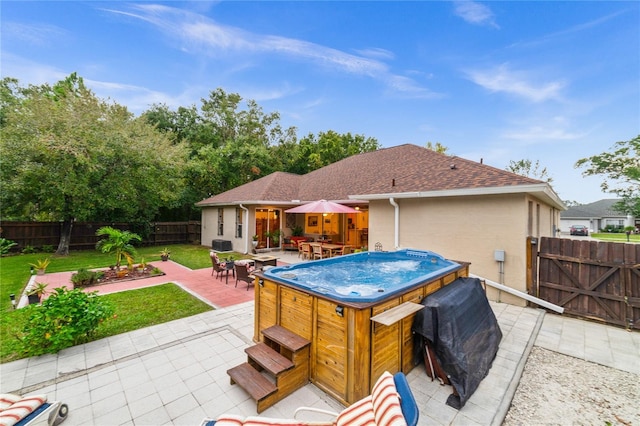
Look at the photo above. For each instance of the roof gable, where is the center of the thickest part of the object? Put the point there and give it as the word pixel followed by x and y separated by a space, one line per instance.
pixel 278 186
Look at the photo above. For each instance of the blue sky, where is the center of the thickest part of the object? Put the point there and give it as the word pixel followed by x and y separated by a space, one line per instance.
pixel 505 80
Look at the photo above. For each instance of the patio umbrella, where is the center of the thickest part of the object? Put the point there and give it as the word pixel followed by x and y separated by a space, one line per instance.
pixel 322 206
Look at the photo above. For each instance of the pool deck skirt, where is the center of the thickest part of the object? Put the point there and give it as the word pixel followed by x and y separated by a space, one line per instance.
pixel 175 373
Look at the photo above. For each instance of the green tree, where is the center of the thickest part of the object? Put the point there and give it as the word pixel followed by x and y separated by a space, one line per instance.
pixel 328 147
pixel 230 142
pixel 117 241
pixel 437 147
pixel 67 155
pixel 529 169
pixel 621 168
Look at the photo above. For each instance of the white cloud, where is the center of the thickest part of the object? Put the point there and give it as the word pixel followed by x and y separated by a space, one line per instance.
pixel 201 35
pixel 475 13
pixel 376 52
pixel 40 35
pixel 503 79
pixel 537 134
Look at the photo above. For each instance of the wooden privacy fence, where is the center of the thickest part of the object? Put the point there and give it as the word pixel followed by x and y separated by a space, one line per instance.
pixel 83 234
pixel 592 279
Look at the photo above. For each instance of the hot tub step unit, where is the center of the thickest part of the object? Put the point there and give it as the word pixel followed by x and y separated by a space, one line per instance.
pixel 285 338
pixel 284 356
pixel 250 379
pixel 268 359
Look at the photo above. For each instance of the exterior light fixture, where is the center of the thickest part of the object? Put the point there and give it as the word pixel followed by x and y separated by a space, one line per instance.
pixel 13 300
pixel 340 310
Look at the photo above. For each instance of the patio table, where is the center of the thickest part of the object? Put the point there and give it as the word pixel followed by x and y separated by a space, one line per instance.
pixel 329 247
pixel 262 261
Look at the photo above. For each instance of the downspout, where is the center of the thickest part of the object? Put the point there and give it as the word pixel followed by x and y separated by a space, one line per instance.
pixel 396 224
pixel 246 238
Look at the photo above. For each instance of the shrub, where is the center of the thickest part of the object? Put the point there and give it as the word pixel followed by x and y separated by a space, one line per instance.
pixel 66 318
pixel 84 277
pixel 5 245
pixel 28 250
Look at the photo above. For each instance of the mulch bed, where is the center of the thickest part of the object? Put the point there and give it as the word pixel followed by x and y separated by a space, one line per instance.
pixel 111 276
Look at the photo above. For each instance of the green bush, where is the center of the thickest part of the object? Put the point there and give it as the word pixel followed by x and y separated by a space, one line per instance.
pixel 29 250
pixel 5 245
pixel 66 318
pixel 84 277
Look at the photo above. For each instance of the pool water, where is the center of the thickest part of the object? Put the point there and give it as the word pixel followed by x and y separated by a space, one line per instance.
pixel 364 277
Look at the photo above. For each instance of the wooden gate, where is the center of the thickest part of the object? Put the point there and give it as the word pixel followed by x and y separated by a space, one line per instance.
pixel 592 279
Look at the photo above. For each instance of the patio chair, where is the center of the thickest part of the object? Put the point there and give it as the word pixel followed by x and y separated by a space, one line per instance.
pixel 307 254
pixel 218 268
pixel 301 249
pixel 33 410
pixel 242 274
pixel 391 403
pixel 319 252
pixel 343 250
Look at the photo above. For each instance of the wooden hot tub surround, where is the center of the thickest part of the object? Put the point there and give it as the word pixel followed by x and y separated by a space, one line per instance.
pixel 351 344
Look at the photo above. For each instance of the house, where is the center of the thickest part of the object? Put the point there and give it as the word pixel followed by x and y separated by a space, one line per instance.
pixel 596 216
pixel 410 197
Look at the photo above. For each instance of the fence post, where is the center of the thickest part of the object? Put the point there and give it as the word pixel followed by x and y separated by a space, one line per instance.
pixel 532 266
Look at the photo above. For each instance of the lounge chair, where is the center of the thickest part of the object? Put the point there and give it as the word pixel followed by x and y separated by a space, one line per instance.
pixel 391 403
pixel 243 274
pixel 32 410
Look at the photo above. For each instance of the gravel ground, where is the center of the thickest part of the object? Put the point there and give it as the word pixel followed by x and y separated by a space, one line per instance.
pixel 561 390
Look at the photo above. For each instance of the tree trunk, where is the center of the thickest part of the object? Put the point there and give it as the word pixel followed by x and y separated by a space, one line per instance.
pixel 65 237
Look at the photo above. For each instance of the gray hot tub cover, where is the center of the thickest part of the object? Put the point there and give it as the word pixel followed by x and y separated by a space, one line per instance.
pixel 464 334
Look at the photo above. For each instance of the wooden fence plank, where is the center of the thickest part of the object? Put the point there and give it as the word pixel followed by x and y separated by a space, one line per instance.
pixel 83 234
pixel 597 280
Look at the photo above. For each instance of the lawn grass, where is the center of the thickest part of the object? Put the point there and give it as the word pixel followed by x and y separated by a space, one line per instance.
pixel 616 237
pixel 137 312
pixel 148 306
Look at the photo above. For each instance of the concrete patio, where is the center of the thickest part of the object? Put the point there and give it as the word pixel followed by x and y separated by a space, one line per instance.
pixel 175 373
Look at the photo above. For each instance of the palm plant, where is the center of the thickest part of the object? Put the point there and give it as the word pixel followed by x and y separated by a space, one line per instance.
pixel 117 241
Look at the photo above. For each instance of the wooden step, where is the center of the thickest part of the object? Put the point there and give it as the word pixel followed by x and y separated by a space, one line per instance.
pixel 285 338
pixel 268 359
pixel 249 379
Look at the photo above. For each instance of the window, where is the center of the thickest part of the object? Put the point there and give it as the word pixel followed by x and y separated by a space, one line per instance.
pixel 239 214
pixel 220 221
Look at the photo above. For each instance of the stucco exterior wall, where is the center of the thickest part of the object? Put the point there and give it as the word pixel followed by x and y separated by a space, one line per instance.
pixel 468 229
pixel 209 227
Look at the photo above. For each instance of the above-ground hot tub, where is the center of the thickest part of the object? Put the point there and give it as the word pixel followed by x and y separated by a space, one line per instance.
pixel 354 311
pixel 364 277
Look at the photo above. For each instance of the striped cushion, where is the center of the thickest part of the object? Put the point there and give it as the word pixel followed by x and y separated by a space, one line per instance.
pixel 20 409
pixel 360 413
pixel 386 403
pixel 230 420
pixel 7 400
pixel 233 420
pixel 264 421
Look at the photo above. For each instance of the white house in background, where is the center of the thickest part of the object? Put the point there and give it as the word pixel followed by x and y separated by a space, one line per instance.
pixel 596 216
pixel 411 197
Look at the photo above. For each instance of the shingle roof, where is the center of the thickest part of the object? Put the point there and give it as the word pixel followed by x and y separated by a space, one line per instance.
pixel 278 186
pixel 403 168
pixel 598 209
